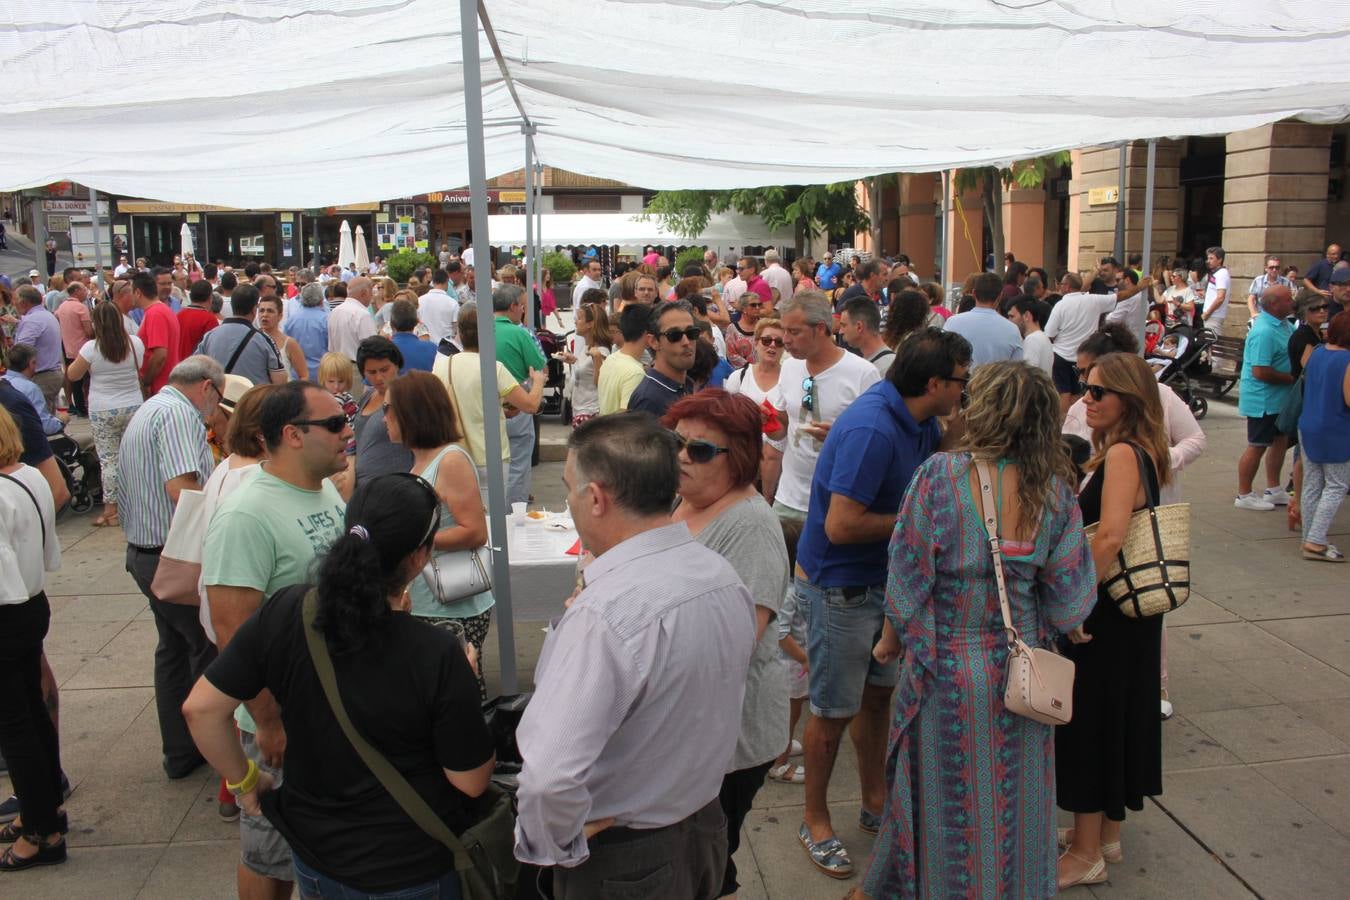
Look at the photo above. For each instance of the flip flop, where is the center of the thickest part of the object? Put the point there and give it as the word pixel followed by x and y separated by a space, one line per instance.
pixel 780 773
pixel 1328 554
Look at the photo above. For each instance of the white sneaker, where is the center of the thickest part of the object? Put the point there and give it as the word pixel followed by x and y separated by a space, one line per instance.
pixel 1251 501
pixel 1278 496
pixel 1167 709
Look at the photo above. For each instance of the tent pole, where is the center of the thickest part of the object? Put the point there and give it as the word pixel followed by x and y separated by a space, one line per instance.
pixel 1148 208
pixel 538 220
pixel 98 242
pixel 1119 247
pixel 943 275
pixel 487 344
pixel 528 130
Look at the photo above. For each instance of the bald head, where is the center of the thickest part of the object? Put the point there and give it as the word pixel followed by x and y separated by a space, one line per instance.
pixel 359 288
pixel 1278 300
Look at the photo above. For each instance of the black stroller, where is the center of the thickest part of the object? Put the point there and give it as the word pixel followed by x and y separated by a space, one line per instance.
pixel 80 468
pixel 1181 354
pixel 556 380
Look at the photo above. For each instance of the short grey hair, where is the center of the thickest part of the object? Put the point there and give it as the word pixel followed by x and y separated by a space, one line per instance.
pixel 771 255
pixel 28 294
pixel 311 294
pixel 196 369
pixel 505 295
pixel 812 304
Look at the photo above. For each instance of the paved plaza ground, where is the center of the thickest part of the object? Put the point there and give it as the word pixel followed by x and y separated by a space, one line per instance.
pixel 1257 759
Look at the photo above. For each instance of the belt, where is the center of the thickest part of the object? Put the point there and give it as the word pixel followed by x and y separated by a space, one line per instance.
pixel 621 834
pixel 153 551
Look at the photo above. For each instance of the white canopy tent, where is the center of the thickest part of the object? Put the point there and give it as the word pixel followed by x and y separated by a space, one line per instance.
pixel 723 230
pixel 372 100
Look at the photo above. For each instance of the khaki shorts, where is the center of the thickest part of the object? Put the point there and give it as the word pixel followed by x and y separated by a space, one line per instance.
pixel 261 847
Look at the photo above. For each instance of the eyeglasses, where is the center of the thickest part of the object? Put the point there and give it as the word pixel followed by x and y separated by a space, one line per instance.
pixel 674 334
pixel 333 424
pixel 755 305
pixel 697 450
pixel 957 378
pixel 778 342
pixel 1273 268
pixel 1096 391
pixel 809 393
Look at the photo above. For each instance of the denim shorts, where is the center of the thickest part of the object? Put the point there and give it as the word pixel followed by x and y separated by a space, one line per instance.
pixel 261 847
pixel 314 885
pixel 842 627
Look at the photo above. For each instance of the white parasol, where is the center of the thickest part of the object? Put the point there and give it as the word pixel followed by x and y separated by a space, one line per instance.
pixel 346 255
pixel 186 234
pixel 362 252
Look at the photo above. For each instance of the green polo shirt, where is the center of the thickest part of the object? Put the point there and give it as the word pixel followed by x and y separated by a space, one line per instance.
pixel 516 349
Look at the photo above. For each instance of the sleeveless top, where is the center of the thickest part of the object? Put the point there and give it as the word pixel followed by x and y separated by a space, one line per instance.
pixel 1325 422
pixel 424 603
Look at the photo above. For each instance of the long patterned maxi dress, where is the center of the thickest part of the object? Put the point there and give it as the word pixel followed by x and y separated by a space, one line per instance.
pixel 970 809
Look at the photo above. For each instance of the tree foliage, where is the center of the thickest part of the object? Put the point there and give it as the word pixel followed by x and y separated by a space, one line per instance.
pixel 559 265
pixel 402 264
pixel 991 180
pixel 808 209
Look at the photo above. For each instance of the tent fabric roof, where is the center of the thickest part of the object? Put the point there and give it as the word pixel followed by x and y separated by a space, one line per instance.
pixel 301 103
pixel 728 229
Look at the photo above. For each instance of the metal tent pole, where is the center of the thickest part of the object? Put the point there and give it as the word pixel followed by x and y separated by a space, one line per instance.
pixel 538 219
pixel 98 242
pixel 944 277
pixel 528 130
pixel 1119 248
pixel 487 344
pixel 1148 209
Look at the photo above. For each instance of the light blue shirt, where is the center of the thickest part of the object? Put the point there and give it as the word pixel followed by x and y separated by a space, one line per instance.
pixel 308 327
pixel 1268 346
pixel 992 337
pixel 33 394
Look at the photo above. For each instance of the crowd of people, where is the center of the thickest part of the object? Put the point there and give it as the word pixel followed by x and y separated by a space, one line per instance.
pixel 797 455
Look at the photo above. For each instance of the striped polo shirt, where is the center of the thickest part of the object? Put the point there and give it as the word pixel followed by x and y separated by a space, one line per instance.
pixel 165 439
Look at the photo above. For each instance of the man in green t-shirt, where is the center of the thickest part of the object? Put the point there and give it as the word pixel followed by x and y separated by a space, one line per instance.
pixel 517 350
pixel 264 537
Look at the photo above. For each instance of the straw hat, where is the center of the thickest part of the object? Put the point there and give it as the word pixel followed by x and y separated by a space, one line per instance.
pixel 235 388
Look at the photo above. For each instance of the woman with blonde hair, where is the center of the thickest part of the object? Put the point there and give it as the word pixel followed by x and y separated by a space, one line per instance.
pixel 593 325
pixel 945 625
pixel 1109 757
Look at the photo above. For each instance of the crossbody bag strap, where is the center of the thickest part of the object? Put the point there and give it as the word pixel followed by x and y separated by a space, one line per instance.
pixel 988 512
pixel 239 351
pixel 42 523
pixel 398 787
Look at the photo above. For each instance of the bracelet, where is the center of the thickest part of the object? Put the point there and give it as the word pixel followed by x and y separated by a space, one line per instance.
pixel 247 783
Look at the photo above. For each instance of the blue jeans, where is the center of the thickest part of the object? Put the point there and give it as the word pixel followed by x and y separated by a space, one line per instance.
pixel 842 627
pixel 315 886
pixel 520 435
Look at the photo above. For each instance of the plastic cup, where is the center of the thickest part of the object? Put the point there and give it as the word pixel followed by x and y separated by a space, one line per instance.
pixel 518 513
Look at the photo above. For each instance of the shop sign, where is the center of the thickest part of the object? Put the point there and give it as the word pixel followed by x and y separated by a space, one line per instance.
pixel 1103 195
pixel 58 223
pixel 463 197
pixel 153 207
pixel 74 207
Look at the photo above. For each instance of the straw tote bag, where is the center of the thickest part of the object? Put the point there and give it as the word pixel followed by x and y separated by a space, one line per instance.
pixel 1151 573
pixel 1039 684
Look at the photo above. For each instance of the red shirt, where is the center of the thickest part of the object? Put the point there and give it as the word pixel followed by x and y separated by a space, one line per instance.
pixel 193 322
pixel 159 328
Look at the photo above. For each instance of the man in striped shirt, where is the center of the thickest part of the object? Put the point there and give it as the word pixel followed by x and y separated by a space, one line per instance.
pixel 163 453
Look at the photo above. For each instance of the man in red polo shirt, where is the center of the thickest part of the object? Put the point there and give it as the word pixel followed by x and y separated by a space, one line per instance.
pixel 748 270
pixel 159 332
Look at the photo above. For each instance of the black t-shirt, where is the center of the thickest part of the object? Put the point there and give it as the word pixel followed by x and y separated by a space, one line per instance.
pixel 855 290
pixel 36 448
pixel 412 695
pixel 1304 336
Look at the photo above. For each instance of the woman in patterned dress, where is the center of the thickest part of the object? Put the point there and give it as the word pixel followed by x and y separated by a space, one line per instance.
pixel 970 809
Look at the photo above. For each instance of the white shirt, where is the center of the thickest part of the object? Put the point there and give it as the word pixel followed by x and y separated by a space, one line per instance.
pixel 835 388
pixel 121 270
pixel 440 313
pixel 732 290
pixel 26 547
pixel 742 381
pixel 1133 314
pixel 1037 350
pixel 348 325
pixel 131 325
pixel 467 256
pixel 780 279
pixel 581 287
pixel 114 385
pixel 1074 319
pixel 1218 281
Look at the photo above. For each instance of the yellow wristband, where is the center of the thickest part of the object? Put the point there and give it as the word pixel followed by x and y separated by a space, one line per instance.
pixel 247 783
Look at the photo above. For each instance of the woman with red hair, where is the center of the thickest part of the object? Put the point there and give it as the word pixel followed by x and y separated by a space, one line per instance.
pixel 720 437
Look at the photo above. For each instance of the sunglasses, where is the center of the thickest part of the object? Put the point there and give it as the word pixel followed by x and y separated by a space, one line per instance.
pixel 674 334
pixel 754 305
pixel 333 424
pixel 778 342
pixel 1096 391
pixel 809 393
pixel 1317 308
pixel 697 450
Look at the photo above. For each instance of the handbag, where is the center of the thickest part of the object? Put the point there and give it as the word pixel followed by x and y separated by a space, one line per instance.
pixel 1039 683
pixel 180 563
pixel 485 852
pixel 453 575
pixel 1151 573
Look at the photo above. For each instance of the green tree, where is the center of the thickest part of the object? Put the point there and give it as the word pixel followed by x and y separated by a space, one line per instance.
pixel 991 180
pixel 402 264
pixel 808 209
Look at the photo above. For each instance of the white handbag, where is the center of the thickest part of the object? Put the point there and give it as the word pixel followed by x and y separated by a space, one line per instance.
pixel 180 562
pixel 1039 682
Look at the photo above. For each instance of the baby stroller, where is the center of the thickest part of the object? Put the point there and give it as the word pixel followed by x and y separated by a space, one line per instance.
pixel 556 379
pixel 1182 353
pixel 80 468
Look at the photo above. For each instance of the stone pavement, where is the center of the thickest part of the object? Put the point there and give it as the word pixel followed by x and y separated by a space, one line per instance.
pixel 1257 758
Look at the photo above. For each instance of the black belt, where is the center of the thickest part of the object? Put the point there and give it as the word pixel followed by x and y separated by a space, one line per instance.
pixel 153 551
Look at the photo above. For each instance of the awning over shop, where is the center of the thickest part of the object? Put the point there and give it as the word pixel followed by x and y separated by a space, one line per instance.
pixel 728 230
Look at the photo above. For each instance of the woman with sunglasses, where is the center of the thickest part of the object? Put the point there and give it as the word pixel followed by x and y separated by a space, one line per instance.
pixel 759 381
pixel 720 437
pixel 407 687
pixel 740 335
pixel 1109 757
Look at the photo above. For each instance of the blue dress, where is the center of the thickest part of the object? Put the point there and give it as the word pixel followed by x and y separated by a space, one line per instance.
pixel 971 786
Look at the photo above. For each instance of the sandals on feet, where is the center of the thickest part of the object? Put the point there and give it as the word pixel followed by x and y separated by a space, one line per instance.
pixel 789 773
pixel 1329 553
pixel 869 822
pixel 1095 874
pixel 1110 852
pixel 828 855
pixel 48 854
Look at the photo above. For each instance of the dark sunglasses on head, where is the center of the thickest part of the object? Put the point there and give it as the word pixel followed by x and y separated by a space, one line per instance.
pixel 1095 390
pixel 771 341
pixel 699 451
pixel 674 334
pixel 333 424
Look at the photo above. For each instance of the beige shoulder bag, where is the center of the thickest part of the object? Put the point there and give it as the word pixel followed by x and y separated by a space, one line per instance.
pixel 1039 682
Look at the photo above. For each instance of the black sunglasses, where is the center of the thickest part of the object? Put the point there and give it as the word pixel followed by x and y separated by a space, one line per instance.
pixel 699 451
pixel 1317 308
pixel 674 334
pixel 778 342
pixel 333 424
pixel 1096 390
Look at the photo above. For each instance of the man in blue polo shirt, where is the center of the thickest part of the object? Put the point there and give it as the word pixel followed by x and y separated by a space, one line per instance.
pixel 868 459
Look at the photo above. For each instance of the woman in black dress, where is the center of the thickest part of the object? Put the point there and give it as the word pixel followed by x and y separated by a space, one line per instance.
pixel 1110 756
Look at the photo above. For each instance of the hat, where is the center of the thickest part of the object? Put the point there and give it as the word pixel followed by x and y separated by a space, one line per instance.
pixel 236 386
pixel 1340 276
pixel 34 273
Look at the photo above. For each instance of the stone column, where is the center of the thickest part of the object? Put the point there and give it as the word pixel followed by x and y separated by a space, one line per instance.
pixel 919 205
pixel 964 236
pixel 1274 202
pixel 1092 225
pixel 1024 224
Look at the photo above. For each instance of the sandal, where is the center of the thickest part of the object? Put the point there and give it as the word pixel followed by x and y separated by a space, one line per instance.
pixel 48 854
pixel 781 773
pixel 1110 852
pixel 14 830
pixel 1329 553
pixel 106 521
pixel 1095 874
pixel 829 855
pixel 869 823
